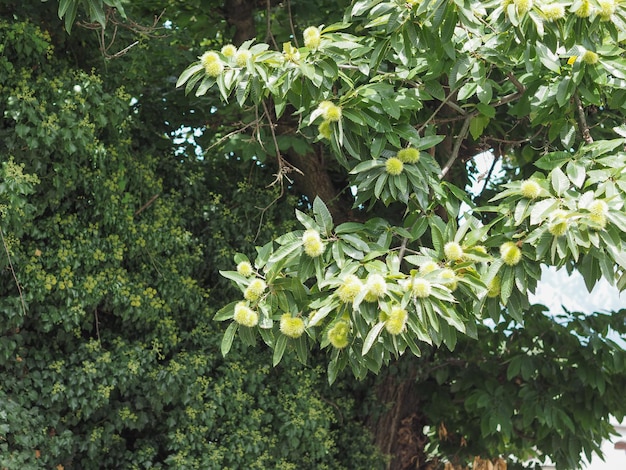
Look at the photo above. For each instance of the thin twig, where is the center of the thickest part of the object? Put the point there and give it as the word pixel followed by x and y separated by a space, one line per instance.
pixel 230 134
pixel 95 313
pixel 264 210
pixel 111 19
pixel 457 146
pixel 284 166
pixel 488 176
pixel 293 31
pixel 268 34
pixel 17 283
pixel 146 205
pixel 582 120
pixel 432 116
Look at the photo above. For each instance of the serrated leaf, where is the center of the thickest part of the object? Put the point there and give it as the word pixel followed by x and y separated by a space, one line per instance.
pixel 323 216
pixel 576 173
pixel 305 220
pixel 321 313
pixel 234 276
pixel 371 337
pixel 279 349
pixel 365 166
pixel 560 182
pixel 285 251
pixel 226 312
pixel 541 210
pixel 227 340
pixel 521 211
pixel 507 280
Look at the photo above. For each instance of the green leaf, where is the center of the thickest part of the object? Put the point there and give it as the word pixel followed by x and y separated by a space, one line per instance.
pixel 507 280
pixel 542 209
pixel 188 72
pixel 366 166
pixel 576 173
pixel 478 125
pixel 226 312
pixel 553 160
pixel 323 216
pixel 227 340
pixel 548 58
pixel 279 349
pixel 96 12
pixel 371 337
pixel 285 250
pixel 560 182
pixel 305 220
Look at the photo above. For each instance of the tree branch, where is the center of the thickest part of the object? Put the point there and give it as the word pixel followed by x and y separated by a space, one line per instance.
pixel 457 146
pixel 582 120
pixel 17 283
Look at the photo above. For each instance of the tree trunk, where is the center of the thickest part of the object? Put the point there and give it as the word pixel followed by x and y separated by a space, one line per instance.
pixel 315 181
pixel 398 432
pixel 240 15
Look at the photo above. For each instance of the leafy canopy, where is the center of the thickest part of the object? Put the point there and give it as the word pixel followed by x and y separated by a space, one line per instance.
pixel 386 89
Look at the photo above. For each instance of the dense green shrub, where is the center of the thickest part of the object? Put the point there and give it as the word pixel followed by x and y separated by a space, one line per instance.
pixel 109 357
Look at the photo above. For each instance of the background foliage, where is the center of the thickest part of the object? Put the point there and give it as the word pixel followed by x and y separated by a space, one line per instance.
pixel 109 355
pixel 122 197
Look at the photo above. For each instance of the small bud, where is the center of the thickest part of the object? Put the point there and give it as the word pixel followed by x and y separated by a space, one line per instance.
pixel 599 220
pixel 245 316
pixel 453 251
pixel 394 166
pixel 428 267
pixel 376 287
pixel 396 320
pixel 350 288
pixel 245 269
pixel 291 326
pixel 523 6
pixel 590 57
pixel 338 335
pixel 448 277
pixel 421 288
pixel 242 57
pixel 493 288
pixel 607 8
pixel 558 224
pixel 599 207
pixel 585 10
pixel 254 290
pixel 530 189
pixel 313 245
pixel 214 69
pixel 553 11
pixel 330 112
pixel 229 50
pixel 325 130
pixel 410 155
pixel 510 253
pixel 312 37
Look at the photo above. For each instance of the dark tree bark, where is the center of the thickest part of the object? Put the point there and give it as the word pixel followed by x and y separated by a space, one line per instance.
pixel 398 432
pixel 240 15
